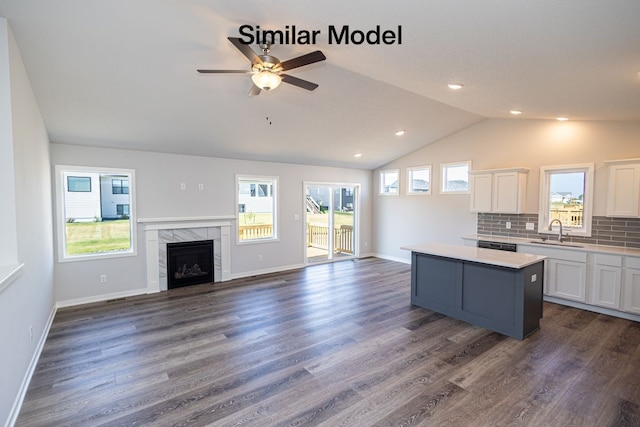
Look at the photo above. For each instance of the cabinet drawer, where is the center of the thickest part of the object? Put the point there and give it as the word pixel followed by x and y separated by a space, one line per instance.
pixel 633 262
pixel 606 259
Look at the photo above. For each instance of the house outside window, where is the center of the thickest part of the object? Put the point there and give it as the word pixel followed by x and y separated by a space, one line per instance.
pixel 122 210
pixel 455 178
pixel 100 222
pixel 389 182
pixel 419 180
pixel 566 194
pixel 257 208
pixel 79 184
pixel 119 186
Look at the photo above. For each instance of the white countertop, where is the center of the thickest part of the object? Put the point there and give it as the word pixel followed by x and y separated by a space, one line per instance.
pixel 583 247
pixel 484 256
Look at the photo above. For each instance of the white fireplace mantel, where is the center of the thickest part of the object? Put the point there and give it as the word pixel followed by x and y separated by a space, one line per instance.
pixel 152 226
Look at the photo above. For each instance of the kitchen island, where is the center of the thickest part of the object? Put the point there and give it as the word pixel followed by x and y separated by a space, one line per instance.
pixel 497 290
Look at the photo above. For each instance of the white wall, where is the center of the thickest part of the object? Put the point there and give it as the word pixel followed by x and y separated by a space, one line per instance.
pixel 28 301
pixel 158 194
pixel 493 144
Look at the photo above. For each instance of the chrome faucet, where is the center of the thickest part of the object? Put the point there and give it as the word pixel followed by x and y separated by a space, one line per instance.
pixel 551 227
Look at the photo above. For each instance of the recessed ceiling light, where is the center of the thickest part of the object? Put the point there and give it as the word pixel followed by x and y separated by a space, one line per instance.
pixel 400 132
pixel 357 155
pixel 562 119
pixel 516 112
pixel 455 86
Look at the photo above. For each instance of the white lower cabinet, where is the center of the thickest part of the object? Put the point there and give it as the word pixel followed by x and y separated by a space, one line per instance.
pixel 565 271
pixel 606 280
pixel 631 301
pixel 567 279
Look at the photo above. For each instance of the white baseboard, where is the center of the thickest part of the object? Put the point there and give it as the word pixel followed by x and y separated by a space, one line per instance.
pixel 391 258
pixel 595 309
pixel 101 298
pixel 22 392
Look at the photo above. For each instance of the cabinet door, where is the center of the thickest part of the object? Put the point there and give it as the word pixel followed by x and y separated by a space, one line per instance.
pixel 623 196
pixel 567 279
pixel 607 284
pixel 505 192
pixel 632 291
pixel 481 192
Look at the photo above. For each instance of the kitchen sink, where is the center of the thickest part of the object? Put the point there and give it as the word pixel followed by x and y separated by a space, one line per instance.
pixel 546 242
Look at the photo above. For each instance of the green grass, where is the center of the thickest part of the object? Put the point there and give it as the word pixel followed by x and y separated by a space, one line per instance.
pixel 339 218
pixel 97 237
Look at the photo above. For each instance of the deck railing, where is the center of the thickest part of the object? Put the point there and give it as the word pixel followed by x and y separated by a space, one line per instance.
pixel 569 217
pixel 251 232
pixel 317 235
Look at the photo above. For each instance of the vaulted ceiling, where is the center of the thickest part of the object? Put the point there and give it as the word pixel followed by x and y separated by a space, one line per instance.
pixel 122 73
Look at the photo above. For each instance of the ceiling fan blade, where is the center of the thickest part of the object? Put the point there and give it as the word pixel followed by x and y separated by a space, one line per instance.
pixel 300 61
pixel 224 72
pixel 255 90
pixel 304 84
pixel 246 50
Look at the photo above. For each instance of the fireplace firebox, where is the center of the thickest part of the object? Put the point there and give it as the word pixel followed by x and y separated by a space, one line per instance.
pixel 189 263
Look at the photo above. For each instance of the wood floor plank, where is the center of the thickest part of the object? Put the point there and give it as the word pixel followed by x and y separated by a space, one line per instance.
pixel 331 344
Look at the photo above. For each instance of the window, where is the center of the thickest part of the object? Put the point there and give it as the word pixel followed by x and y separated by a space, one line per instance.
pixel 122 210
pixel 79 184
pixel 566 194
pixel 257 208
pixel 389 182
pixel 455 178
pixel 119 186
pixel 94 213
pixel 419 180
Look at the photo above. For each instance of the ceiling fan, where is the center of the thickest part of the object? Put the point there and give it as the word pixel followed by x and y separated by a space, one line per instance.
pixel 267 71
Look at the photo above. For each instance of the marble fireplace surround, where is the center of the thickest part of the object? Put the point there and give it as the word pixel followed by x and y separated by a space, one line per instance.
pixel 160 231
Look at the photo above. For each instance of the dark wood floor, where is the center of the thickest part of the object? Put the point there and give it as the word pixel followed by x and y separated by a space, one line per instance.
pixel 332 344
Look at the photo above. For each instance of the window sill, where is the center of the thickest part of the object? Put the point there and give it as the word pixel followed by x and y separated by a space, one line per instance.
pixel 8 274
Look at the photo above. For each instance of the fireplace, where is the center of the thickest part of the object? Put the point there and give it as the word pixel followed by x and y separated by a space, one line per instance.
pixel 189 263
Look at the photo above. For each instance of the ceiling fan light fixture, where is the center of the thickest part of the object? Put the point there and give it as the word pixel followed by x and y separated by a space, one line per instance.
pixel 266 80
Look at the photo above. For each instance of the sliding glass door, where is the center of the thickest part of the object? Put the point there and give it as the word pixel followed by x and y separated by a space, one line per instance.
pixel 330 221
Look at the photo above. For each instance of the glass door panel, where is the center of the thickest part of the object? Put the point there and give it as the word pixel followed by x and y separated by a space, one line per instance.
pixel 330 225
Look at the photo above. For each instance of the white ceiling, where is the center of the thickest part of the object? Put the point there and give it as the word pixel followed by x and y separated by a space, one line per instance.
pixel 121 73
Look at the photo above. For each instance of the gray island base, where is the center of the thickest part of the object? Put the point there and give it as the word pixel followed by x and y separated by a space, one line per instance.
pixel 497 290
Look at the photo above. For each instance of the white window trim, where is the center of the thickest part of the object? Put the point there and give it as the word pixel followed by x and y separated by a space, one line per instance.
pixel 587 213
pixel 443 166
pixel 276 202
pixel 380 182
pixel 60 212
pixel 410 171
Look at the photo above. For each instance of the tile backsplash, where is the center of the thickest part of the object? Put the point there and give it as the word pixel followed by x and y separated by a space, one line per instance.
pixel 623 232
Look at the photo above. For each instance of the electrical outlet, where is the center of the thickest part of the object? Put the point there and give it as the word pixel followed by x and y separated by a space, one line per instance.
pixel 30 333
pixel 200 187
pixel 529 225
pixel 183 186
pixel 534 278
pixel 103 278
pixel 508 225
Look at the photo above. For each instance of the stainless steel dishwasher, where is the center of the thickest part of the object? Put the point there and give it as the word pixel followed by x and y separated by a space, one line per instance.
pixel 499 246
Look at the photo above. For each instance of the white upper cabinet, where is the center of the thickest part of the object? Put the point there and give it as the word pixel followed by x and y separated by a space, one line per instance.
pixel 498 190
pixel 623 192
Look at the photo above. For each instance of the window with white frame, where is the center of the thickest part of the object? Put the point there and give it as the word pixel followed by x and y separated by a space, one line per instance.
pixel 455 178
pixel 419 180
pixel 566 196
pixel 389 180
pixel 257 208
pixel 93 221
